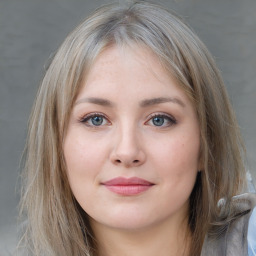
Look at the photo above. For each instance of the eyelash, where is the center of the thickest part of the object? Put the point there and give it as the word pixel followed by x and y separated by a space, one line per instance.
pixel 87 118
pixel 170 120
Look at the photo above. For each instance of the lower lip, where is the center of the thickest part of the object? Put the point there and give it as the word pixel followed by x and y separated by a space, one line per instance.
pixel 128 190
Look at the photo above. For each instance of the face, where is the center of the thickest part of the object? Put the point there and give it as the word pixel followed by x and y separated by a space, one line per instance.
pixel 132 144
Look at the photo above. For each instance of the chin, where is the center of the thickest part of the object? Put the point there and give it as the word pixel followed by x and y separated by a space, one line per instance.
pixel 129 225
pixel 128 221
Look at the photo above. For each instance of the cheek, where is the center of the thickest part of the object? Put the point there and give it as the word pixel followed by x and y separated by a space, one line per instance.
pixel 177 163
pixel 83 165
pixel 82 160
pixel 179 167
pixel 181 153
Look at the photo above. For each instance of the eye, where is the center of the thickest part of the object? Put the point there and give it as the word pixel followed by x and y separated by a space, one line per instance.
pixel 161 120
pixel 95 120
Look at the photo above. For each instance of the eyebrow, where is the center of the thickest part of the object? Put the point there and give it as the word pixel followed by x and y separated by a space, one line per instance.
pixel 143 103
pixel 155 101
pixel 97 101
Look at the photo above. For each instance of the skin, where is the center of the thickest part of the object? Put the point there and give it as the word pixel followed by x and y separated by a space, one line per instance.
pixel 128 143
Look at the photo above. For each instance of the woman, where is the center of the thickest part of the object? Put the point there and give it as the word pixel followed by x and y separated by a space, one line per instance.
pixel 133 147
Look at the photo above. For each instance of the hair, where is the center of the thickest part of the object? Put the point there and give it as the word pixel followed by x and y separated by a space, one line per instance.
pixel 56 224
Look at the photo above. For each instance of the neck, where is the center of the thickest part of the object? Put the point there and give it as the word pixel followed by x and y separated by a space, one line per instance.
pixel 162 239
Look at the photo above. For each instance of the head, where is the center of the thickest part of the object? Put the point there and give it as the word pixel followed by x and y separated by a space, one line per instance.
pixel 182 56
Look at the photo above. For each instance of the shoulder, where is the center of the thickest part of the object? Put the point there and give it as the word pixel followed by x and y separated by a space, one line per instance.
pixel 251 236
pixel 233 241
pixel 248 202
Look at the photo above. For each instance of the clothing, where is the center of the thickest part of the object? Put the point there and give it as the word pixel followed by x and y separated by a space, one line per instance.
pixel 238 239
pixel 251 237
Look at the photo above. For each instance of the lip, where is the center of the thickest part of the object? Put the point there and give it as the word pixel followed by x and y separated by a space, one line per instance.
pixel 128 186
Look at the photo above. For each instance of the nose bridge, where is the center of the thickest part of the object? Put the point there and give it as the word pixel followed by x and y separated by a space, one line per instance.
pixel 128 148
pixel 126 139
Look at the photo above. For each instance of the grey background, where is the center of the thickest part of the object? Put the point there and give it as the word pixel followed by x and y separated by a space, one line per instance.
pixel 31 30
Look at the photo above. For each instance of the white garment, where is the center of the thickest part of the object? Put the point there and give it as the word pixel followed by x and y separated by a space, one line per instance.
pixel 251 236
pixel 238 239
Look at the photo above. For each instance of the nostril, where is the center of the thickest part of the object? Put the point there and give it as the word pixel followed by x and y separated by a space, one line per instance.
pixel 126 162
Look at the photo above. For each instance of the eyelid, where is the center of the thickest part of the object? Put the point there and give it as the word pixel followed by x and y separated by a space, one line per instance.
pixel 86 117
pixel 171 118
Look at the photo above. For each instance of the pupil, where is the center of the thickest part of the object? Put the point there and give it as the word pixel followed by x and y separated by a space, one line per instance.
pixel 158 121
pixel 97 120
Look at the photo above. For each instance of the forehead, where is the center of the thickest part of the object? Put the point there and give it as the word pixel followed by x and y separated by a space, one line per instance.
pixel 125 54
pixel 134 72
pixel 126 62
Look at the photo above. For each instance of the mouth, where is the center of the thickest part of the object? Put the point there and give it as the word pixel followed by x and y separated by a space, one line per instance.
pixel 128 186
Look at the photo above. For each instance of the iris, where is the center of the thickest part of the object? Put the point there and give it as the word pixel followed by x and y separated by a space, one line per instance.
pixel 158 121
pixel 97 120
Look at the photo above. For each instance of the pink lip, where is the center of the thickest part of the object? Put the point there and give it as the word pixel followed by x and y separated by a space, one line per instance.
pixel 128 186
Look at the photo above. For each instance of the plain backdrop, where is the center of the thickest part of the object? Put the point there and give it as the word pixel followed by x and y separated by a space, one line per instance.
pixel 32 30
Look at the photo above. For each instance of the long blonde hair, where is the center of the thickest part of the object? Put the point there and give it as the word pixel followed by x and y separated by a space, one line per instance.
pixel 56 224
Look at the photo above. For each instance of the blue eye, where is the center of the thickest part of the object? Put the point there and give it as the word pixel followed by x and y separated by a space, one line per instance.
pixel 161 120
pixel 95 120
pixel 158 121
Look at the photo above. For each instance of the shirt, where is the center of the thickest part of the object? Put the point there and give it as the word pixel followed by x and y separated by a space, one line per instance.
pixel 251 236
pixel 239 238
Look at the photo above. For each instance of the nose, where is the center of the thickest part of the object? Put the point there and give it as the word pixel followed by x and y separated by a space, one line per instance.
pixel 127 150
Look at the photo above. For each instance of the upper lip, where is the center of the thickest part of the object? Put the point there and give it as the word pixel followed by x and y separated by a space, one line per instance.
pixel 122 181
